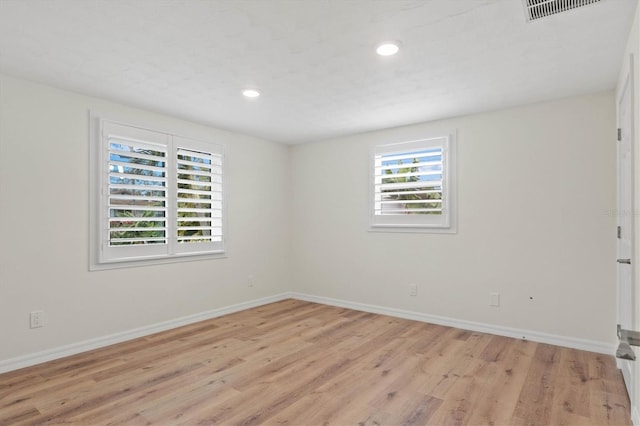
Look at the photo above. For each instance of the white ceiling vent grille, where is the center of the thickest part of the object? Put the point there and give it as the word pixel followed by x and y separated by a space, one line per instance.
pixel 536 9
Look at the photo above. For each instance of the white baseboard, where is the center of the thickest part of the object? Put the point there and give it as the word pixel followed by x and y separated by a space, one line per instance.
pixel 552 339
pixel 99 342
pixel 87 345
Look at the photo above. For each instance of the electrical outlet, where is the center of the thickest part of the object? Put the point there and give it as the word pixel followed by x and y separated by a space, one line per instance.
pixel 36 319
pixel 250 280
pixel 495 299
pixel 413 289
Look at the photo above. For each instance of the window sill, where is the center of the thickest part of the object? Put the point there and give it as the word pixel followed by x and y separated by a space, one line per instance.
pixel 95 266
pixel 413 229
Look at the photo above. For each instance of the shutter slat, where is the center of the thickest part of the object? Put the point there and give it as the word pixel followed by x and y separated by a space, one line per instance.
pixel 424 184
pixel 195 182
pixel 162 219
pixel 206 164
pixel 406 211
pixel 428 191
pixel 410 201
pixel 140 166
pixel 135 197
pixel 138 177
pixel 143 229
pixel 191 210
pixel 185 152
pixel 196 228
pixel 409 165
pixel 195 239
pixel 413 154
pixel 182 191
pixel 122 186
pixel 411 174
pixel 140 240
pixel 193 172
pixel 132 153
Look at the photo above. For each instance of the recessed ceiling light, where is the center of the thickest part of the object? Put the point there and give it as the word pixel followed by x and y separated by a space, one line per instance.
pixel 251 93
pixel 388 49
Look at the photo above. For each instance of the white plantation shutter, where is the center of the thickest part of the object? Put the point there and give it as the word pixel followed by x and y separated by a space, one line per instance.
pixel 161 195
pixel 412 184
pixel 137 193
pixel 133 209
pixel 199 200
pixel 409 183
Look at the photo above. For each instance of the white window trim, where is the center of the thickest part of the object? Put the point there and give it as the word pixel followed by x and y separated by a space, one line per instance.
pixel 96 176
pixel 450 187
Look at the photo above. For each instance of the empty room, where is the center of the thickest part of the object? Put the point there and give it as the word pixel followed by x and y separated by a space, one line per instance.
pixel 319 212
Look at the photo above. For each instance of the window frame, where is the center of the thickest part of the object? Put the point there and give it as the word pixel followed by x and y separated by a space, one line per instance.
pixel 418 223
pixel 98 195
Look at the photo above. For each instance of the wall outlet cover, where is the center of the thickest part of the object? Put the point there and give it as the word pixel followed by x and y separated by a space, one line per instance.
pixel 413 289
pixel 495 299
pixel 36 319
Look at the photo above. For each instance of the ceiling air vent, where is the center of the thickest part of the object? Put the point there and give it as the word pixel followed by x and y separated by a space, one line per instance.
pixel 536 9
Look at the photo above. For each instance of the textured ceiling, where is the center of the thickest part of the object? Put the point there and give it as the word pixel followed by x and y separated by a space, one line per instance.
pixel 313 60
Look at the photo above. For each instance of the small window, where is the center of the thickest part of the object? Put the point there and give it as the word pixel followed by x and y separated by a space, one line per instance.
pixel 156 196
pixel 413 186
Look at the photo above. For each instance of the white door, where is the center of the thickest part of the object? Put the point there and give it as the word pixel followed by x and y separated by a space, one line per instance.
pixel 625 216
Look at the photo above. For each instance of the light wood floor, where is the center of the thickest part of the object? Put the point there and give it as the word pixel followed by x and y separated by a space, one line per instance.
pixel 299 363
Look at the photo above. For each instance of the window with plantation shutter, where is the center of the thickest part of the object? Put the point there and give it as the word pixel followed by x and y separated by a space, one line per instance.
pixel 413 186
pixel 156 196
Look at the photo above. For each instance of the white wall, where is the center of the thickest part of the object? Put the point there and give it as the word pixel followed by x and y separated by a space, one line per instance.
pixel 535 187
pixel 44 239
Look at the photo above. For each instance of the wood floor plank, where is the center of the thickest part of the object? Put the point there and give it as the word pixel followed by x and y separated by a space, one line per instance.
pixel 536 397
pixel 465 394
pixel 354 385
pixel 571 406
pixel 302 363
pixel 502 392
pixel 446 362
pixel 195 390
pixel 382 383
